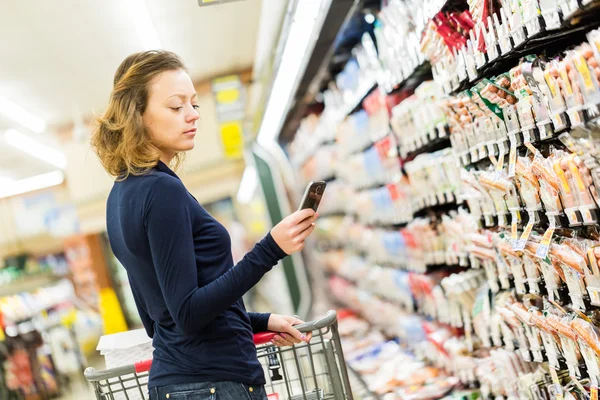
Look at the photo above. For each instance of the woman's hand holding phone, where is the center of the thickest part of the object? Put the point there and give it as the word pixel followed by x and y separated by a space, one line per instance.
pixel 291 233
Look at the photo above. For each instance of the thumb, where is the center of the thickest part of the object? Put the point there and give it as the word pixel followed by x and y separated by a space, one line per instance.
pixel 295 333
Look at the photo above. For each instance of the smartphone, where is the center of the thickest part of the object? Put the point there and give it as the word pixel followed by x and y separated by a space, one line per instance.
pixel 313 195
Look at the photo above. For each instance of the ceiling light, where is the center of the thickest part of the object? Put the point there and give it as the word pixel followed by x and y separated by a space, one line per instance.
pixel 5 180
pixel 31 184
pixel 35 149
pixel 370 18
pixel 138 10
pixel 21 116
pixel 293 59
pixel 248 185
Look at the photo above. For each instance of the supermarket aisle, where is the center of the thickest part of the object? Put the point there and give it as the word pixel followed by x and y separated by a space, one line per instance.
pixel 80 389
pixel 79 392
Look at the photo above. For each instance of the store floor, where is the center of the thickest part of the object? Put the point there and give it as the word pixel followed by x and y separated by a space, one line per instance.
pixel 80 389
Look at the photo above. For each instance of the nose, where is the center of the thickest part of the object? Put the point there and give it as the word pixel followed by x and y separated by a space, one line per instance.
pixel 192 115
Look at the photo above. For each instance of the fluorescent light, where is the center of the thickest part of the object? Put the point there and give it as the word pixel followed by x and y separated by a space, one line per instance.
pixel 30 184
pixel 369 18
pixel 21 116
pixel 248 185
pixel 5 180
pixel 292 60
pixel 138 10
pixel 35 149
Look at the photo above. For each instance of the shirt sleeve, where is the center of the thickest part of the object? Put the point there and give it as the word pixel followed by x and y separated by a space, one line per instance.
pixel 259 321
pixel 168 223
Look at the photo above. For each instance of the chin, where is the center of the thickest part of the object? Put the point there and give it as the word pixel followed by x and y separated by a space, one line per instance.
pixel 187 146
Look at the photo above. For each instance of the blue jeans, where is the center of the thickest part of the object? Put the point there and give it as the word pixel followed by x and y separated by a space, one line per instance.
pixel 209 391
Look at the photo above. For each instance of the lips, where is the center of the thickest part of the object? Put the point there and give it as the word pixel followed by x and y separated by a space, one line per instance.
pixel 190 132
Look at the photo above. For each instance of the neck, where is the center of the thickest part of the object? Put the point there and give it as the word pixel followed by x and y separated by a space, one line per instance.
pixel 166 158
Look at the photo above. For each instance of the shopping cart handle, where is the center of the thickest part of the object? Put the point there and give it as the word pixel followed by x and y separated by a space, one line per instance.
pixel 324 322
pixel 305 327
pixel 263 338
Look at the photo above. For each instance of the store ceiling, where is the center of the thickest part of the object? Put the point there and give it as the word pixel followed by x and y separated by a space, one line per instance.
pixel 59 57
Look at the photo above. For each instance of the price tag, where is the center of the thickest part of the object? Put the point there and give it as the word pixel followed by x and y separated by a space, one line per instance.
pixel 520 245
pixel 531 147
pixel 542 250
pixel 557 385
pixel 513 232
pixel 501 148
pixel 499 167
pixel 591 361
pixel 594 393
pixel 512 161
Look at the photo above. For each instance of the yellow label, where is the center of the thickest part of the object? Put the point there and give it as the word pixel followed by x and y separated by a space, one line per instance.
pixel 566 81
pixel 547 236
pixel 500 163
pixel 69 319
pixel 527 231
pixel 554 376
pixel 2 335
pixel 583 69
pixel 512 160
pixel 561 177
pixel 576 174
pixel 513 230
pixel 550 81
pixel 531 147
pixel 232 138
pixel 594 393
pixel 227 78
pixel 228 96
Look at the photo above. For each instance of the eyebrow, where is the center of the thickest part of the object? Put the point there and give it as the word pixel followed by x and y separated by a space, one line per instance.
pixel 183 96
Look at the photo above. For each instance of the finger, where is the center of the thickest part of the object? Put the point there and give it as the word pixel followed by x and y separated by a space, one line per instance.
pixel 295 334
pixel 288 340
pixel 304 225
pixel 278 341
pixel 283 342
pixel 301 215
pixel 306 233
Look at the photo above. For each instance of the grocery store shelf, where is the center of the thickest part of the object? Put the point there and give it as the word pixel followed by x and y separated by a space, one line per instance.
pixel 28 284
pixel 420 74
pixel 550 44
pixel 430 147
pixel 438 209
pixel 356 103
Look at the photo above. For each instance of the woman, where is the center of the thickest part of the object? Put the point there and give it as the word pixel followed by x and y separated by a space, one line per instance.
pixel 178 258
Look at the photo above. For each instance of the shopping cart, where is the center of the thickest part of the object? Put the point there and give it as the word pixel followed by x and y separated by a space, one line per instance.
pixel 306 371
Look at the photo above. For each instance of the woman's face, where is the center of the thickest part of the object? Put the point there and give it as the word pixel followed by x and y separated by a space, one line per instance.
pixel 171 113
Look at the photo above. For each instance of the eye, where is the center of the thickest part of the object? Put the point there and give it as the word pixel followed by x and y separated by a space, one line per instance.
pixel 196 107
pixel 176 108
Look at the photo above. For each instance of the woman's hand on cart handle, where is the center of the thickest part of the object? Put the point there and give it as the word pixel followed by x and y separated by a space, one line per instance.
pixel 295 323
pixel 291 233
pixel 287 334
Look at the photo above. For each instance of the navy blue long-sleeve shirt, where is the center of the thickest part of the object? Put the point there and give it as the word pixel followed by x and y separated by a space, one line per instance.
pixel 186 288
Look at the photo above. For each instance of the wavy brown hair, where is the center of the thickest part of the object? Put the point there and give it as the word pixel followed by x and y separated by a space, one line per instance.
pixel 119 138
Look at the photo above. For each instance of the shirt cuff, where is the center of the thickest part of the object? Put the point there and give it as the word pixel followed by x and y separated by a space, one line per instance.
pixel 274 247
pixel 259 322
